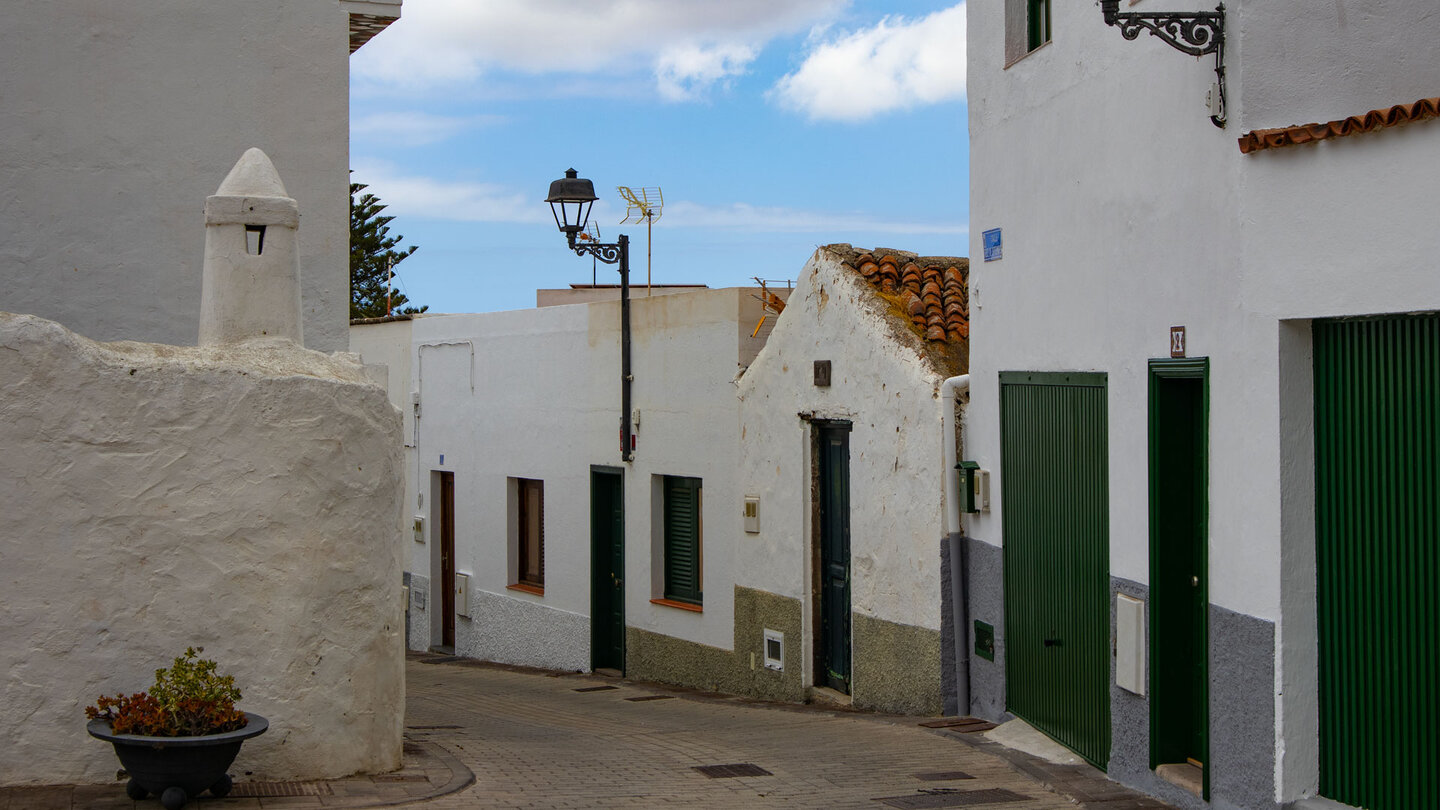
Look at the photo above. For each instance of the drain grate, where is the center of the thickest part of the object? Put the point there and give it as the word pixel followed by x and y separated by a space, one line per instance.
pixel 400 777
pixel 942 776
pixel 650 697
pixel 964 725
pixel 732 771
pixel 268 790
pixel 945 797
pixel 597 689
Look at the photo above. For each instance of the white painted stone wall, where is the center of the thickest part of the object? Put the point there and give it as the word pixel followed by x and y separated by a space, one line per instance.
pixel 239 499
pixel 1124 212
pixel 113 122
pixel 536 394
pixel 881 384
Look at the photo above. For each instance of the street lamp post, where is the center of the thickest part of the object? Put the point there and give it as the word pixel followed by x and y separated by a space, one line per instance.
pixel 570 200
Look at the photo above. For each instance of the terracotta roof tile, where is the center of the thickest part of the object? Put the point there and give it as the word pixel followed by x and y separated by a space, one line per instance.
pixel 1259 139
pixel 931 291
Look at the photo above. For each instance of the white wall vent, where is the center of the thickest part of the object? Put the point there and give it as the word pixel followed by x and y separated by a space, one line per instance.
pixel 775 650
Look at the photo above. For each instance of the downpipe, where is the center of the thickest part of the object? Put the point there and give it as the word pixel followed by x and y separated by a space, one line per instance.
pixel 950 391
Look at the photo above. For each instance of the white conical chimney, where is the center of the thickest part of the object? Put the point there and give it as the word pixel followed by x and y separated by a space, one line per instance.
pixel 251 284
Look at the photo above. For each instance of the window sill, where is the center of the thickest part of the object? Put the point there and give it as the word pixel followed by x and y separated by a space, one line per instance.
pixel 1022 57
pixel 538 590
pixel 693 608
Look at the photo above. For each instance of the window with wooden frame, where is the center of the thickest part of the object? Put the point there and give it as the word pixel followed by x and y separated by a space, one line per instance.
pixel 684 547
pixel 1037 20
pixel 1027 27
pixel 529 534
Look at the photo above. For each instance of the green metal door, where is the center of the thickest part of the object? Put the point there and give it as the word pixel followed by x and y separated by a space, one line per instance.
pixel 1377 537
pixel 1057 571
pixel 607 568
pixel 834 486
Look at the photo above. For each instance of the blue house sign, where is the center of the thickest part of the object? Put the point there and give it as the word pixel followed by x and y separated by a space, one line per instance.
pixel 992 244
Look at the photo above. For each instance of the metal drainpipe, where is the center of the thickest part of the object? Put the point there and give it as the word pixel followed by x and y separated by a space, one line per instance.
pixel 950 391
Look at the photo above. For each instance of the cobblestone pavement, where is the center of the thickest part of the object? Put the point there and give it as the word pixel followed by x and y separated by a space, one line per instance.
pixel 486 736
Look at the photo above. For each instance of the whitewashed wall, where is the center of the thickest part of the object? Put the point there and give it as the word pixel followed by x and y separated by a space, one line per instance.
pixel 536 394
pixel 1124 212
pixel 158 497
pixel 116 117
pixel 881 385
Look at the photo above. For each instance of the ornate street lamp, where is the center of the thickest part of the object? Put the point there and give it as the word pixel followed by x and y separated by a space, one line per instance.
pixel 570 200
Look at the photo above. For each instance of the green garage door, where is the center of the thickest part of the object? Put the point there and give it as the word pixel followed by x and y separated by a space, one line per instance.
pixel 1057 568
pixel 1377 528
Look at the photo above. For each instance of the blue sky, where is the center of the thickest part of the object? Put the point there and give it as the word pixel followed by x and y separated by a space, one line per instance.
pixel 772 126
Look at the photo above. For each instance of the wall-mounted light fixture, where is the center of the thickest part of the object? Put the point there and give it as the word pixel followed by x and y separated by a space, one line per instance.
pixel 1197 33
pixel 570 199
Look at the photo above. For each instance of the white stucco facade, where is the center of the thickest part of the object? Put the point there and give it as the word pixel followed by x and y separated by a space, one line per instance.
pixel 890 395
pixel 237 498
pixel 535 394
pixel 115 118
pixel 1124 212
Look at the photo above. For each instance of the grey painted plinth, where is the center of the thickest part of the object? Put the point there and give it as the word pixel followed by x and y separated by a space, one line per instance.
pixel 1242 715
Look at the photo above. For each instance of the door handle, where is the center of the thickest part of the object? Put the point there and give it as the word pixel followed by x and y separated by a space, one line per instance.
pixel 1052 642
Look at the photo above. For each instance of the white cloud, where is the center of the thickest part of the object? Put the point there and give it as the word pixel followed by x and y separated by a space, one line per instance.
pixel 412 196
pixel 898 64
pixel 429 198
pixel 777 219
pixel 447 42
pixel 685 72
pixel 416 128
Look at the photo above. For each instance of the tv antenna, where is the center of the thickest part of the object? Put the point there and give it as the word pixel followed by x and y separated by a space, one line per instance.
pixel 643 205
pixel 590 234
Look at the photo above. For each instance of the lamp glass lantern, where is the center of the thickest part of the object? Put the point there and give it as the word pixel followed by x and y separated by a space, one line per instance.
pixel 570 200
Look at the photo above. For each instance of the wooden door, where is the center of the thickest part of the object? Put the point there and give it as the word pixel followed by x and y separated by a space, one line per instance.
pixel 1179 592
pixel 607 569
pixel 834 527
pixel 447 560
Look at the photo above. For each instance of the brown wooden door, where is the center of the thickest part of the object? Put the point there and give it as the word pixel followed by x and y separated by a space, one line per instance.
pixel 447 559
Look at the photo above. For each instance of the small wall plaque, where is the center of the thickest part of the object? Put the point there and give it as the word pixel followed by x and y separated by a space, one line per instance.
pixel 991 241
pixel 1177 341
pixel 822 373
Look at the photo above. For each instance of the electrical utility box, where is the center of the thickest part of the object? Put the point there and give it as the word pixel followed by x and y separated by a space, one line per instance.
pixel 974 487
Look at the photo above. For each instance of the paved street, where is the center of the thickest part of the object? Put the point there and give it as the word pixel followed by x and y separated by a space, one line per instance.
pixel 544 741
pixel 548 740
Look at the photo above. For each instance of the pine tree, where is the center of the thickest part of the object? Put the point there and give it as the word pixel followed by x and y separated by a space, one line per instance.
pixel 373 256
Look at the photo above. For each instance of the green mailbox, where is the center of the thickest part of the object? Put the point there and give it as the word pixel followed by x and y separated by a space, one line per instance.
pixel 969 478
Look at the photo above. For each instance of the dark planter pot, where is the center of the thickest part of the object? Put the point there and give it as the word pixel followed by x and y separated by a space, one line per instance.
pixel 178 769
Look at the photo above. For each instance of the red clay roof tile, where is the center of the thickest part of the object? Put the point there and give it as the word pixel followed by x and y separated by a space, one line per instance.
pixel 1259 139
pixel 931 291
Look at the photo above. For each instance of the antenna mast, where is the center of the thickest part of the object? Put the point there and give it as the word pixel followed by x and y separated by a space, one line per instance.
pixel 643 204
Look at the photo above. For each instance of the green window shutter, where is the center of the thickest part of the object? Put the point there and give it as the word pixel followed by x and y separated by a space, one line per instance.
pixel 1038 23
pixel 682 539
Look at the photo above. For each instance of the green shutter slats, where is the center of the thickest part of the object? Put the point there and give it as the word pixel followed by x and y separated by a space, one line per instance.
pixel 682 539
pixel 1377 527
pixel 1056 551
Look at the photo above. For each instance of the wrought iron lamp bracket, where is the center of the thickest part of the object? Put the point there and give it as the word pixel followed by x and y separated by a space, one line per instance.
pixel 1196 33
pixel 608 252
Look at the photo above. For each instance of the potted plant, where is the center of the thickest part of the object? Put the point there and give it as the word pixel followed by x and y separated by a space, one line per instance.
pixel 178 739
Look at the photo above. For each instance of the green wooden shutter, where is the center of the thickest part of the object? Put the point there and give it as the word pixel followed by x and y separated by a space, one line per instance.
pixel 1054 481
pixel 682 539
pixel 1377 509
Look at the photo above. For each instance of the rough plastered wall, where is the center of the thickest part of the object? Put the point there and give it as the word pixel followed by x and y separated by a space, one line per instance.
pixel 116 116
pixel 891 396
pixel 243 500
